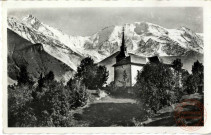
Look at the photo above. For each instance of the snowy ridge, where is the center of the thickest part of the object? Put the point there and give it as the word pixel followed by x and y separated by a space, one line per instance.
pixel 142 38
pixel 34 31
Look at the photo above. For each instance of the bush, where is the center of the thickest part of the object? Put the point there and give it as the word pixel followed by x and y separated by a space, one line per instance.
pixel 78 92
pixel 92 75
pixel 101 76
pixel 20 113
pixel 55 101
pixel 155 86
pixel 48 104
pixel 195 82
pixel 192 84
pixel 110 87
pixel 52 106
pixel 23 77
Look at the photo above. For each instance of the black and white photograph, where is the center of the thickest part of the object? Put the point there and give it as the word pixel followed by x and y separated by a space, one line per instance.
pixel 105 67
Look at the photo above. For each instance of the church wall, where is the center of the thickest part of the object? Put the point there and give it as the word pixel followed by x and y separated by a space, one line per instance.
pixel 134 72
pixel 137 59
pixel 119 75
pixel 109 62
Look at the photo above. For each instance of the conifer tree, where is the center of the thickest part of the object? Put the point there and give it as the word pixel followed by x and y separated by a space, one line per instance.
pixel 23 77
pixel 195 82
pixel 92 75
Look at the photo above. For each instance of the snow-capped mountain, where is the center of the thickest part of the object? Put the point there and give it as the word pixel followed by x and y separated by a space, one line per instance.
pixel 22 52
pixel 142 38
pixel 34 31
pixel 147 39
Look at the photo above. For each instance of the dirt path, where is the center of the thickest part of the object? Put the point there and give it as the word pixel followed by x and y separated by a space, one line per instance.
pixel 109 99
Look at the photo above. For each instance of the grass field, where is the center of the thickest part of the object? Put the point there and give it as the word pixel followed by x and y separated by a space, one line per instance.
pixel 112 111
pixel 111 114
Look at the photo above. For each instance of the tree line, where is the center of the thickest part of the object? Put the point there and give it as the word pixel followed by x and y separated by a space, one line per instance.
pixel 160 85
pixel 47 102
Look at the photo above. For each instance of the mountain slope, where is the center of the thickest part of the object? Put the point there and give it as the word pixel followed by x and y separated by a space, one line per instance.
pixel 35 58
pixel 141 38
pixel 36 32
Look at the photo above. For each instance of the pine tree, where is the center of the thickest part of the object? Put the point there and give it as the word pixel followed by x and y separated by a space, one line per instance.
pixel 197 68
pixel 92 75
pixel 177 66
pixel 195 82
pixel 70 84
pixel 102 76
pixel 86 72
pixel 41 81
pixel 23 78
pixel 49 76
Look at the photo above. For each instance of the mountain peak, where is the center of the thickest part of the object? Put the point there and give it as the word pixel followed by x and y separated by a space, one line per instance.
pixel 29 17
pixel 31 20
pixel 183 28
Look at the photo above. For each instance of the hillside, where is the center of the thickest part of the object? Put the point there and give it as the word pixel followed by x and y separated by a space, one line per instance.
pixel 35 58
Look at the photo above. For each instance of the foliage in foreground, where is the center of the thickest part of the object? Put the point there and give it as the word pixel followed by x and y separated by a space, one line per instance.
pixel 154 86
pixel 92 75
pixel 195 82
pixel 159 85
pixel 47 104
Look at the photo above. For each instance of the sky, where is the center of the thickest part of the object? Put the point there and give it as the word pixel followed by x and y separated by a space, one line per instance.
pixel 87 21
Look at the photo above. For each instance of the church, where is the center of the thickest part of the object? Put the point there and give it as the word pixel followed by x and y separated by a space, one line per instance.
pixel 126 67
pixel 123 67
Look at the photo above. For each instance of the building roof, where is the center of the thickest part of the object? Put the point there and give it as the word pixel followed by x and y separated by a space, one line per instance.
pixel 126 61
pixel 154 59
pixel 140 61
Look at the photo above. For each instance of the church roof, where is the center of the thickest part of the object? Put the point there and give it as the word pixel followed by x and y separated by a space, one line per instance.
pixel 126 61
pixel 154 59
pixel 137 59
pixel 140 60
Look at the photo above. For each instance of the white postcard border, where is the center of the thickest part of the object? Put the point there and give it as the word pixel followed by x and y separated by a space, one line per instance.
pixel 111 130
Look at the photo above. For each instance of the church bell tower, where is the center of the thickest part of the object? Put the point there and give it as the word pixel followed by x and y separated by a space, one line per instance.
pixel 123 49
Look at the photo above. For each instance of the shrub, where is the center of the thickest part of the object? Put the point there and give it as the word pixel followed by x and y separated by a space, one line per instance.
pixel 155 86
pixel 52 106
pixel 23 77
pixel 20 113
pixel 48 104
pixel 192 84
pixel 195 82
pixel 110 87
pixel 78 92
pixel 54 101
pixel 92 75
pixel 101 76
